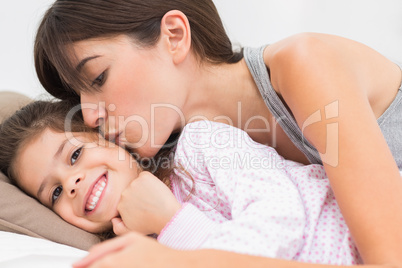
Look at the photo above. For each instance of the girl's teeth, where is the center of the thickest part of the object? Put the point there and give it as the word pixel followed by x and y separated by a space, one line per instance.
pixel 94 198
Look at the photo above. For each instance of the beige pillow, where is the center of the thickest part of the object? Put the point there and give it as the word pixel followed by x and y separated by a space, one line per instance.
pixel 24 215
pixel 10 102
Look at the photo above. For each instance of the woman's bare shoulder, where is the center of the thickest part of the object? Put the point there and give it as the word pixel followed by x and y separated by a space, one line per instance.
pixel 327 59
pixel 305 43
pixel 318 47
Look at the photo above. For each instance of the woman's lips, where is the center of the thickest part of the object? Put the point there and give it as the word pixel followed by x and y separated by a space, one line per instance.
pixel 113 137
pixel 96 194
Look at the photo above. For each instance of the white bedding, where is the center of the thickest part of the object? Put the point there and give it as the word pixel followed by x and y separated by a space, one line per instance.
pixel 20 251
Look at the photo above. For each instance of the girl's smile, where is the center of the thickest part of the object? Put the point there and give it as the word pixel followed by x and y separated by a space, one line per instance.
pixel 95 194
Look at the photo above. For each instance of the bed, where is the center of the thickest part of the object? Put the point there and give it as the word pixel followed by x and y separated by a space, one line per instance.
pixel 31 235
pixel 24 251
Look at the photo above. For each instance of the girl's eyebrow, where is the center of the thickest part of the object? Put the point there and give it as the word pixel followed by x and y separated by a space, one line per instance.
pixel 56 155
pixel 84 61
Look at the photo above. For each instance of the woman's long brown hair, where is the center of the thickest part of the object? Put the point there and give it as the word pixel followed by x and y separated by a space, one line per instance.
pixel 69 21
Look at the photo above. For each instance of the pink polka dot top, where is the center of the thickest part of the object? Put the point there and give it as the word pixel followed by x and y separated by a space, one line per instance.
pixel 238 195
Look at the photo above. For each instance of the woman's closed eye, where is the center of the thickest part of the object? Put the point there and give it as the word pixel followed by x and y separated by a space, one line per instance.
pixel 75 156
pixel 100 80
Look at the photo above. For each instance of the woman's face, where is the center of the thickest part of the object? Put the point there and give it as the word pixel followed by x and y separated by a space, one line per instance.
pixel 79 178
pixel 140 91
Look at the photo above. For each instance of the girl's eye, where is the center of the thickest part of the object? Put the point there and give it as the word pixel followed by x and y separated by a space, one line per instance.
pixel 56 194
pixel 76 154
pixel 99 80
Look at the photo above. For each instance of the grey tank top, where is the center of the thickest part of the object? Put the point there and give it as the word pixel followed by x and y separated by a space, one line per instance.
pixel 390 121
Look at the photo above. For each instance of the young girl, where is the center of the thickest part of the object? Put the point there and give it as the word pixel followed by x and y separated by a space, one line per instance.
pixel 145 70
pixel 232 193
pixel 42 148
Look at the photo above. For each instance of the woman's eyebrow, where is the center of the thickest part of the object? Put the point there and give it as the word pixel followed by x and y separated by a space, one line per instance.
pixel 84 61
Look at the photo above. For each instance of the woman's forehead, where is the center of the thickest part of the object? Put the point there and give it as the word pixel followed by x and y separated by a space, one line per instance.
pixel 93 45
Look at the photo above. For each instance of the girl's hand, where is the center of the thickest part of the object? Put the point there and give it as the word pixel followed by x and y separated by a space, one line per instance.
pixel 119 228
pixel 146 206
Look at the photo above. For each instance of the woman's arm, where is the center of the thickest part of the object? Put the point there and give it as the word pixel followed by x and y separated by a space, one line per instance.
pixel 327 83
pixel 134 250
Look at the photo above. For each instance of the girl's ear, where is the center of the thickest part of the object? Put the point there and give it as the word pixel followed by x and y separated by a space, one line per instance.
pixel 176 33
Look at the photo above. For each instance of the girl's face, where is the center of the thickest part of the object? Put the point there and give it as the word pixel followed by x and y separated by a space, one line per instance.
pixel 140 91
pixel 79 178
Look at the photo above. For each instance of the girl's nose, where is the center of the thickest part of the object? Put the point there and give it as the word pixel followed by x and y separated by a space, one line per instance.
pixel 72 188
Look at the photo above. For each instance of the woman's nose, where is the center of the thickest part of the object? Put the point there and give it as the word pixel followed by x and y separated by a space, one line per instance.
pixel 94 114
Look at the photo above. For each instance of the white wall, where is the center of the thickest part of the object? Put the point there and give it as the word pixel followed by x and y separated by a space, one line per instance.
pixel 377 23
pixel 18 22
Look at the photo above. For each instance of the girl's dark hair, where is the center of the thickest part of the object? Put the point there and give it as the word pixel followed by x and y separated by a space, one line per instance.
pixel 69 21
pixel 28 123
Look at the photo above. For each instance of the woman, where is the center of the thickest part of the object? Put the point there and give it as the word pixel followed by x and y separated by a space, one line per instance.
pixel 144 71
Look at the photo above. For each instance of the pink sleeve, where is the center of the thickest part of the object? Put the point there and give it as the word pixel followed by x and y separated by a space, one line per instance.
pixel 188 229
